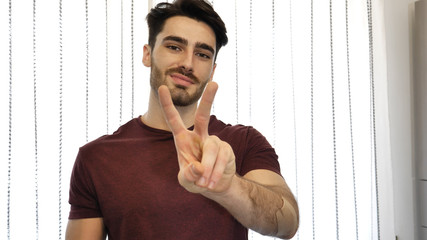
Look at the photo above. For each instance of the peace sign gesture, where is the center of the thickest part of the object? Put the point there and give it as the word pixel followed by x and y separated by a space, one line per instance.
pixel 205 162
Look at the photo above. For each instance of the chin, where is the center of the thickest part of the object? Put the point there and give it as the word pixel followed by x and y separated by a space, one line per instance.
pixel 181 97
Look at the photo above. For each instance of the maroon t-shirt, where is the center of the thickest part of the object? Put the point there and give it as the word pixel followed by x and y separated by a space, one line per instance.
pixel 129 179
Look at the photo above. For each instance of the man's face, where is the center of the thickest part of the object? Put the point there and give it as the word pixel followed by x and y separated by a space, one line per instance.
pixel 182 59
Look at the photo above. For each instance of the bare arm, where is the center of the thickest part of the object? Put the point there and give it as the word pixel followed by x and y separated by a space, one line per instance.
pixel 262 201
pixel 85 229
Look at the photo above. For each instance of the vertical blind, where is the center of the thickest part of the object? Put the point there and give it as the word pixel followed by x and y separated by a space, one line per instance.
pixel 301 72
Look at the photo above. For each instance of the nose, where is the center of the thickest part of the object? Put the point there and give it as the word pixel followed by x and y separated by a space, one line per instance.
pixel 186 63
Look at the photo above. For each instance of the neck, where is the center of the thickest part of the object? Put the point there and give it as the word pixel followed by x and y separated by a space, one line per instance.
pixel 154 116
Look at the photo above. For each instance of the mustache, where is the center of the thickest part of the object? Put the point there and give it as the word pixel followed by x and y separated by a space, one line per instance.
pixel 182 72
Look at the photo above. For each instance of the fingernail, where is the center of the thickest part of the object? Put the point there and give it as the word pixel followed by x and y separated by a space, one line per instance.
pixel 211 185
pixel 202 181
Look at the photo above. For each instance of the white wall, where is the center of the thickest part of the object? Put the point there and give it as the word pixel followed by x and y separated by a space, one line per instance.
pixel 398 46
pixel 420 111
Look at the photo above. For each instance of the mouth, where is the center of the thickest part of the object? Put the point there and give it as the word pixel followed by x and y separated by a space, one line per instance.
pixel 181 80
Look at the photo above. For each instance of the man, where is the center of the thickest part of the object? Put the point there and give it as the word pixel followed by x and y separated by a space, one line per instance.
pixel 176 172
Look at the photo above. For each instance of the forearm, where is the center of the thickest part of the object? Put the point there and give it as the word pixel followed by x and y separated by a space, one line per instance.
pixel 86 229
pixel 267 210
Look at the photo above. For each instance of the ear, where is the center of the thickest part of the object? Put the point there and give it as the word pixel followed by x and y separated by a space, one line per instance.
pixel 212 73
pixel 146 57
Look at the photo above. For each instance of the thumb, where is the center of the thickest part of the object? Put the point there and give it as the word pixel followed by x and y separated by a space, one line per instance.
pixel 191 173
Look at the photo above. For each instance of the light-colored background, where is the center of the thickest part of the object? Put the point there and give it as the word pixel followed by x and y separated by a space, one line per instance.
pixel 273 76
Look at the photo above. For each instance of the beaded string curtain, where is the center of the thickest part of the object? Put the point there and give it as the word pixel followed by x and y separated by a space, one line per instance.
pixel 301 72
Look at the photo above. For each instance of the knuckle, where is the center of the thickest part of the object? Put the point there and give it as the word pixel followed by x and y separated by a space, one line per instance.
pixel 216 176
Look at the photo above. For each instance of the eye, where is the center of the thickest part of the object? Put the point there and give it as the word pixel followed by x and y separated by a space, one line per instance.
pixel 202 55
pixel 174 48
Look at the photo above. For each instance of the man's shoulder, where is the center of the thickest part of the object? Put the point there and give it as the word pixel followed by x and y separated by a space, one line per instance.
pixel 217 127
pixel 125 131
pixel 234 134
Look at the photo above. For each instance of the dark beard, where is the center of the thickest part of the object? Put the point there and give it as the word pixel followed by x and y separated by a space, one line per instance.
pixel 180 97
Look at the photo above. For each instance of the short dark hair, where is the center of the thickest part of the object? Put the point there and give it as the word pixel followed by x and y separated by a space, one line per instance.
pixel 199 10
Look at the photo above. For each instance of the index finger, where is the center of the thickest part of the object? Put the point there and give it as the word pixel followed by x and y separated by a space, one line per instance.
pixel 172 116
pixel 201 121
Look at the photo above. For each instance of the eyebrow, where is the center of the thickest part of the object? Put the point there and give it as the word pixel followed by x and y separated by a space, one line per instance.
pixel 175 39
pixel 185 42
pixel 205 46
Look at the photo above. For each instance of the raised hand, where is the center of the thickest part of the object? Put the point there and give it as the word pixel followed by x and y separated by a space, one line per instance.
pixel 206 163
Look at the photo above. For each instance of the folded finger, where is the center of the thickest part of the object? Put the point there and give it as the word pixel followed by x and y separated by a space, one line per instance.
pixel 209 158
pixel 221 164
pixel 194 171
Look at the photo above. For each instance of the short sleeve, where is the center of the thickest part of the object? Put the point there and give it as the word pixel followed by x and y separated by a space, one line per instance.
pixel 82 198
pixel 259 154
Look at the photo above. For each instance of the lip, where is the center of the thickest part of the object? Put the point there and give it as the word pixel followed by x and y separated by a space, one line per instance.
pixel 182 80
